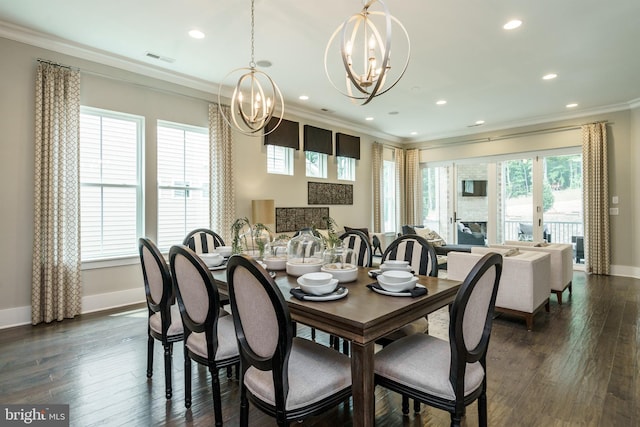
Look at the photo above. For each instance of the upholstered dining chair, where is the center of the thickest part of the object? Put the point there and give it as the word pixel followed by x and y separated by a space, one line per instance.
pixel 457 370
pixel 415 249
pixel 424 261
pixel 358 241
pixel 286 377
pixel 209 339
pixel 203 240
pixel 165 324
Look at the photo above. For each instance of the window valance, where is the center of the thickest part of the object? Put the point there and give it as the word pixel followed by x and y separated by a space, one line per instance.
pixel 285 135
pixel 318 140
pixel 347 146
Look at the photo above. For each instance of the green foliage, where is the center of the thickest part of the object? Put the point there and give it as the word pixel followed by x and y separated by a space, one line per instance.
pixel 333 239
pixel 547 196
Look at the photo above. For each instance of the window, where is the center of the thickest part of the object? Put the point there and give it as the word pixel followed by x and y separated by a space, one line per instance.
pixel 183 181
pixel 279 160
pixel 389 196
pixel 316 164
pixel 346 168
pixel 110 183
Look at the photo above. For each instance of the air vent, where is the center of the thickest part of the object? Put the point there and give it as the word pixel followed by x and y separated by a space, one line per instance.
pixel 160 57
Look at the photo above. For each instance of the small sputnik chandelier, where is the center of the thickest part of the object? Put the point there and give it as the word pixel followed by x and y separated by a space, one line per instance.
pixel 256 98
pixel 362 42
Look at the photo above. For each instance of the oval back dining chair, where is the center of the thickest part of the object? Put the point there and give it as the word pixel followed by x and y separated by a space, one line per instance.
pixel 209 338
pixel 287 377
pixel 358 241
pixel 203 240
pixel 449 375
pixel 165 324
pixel 415 249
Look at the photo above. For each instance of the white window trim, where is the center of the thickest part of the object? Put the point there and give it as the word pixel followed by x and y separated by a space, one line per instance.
pixel 322 164
pixel 289 163
pixel 352 161
pixel 124 259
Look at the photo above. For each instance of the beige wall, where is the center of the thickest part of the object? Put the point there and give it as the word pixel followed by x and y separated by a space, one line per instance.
pixel 624 140
pixel 109 88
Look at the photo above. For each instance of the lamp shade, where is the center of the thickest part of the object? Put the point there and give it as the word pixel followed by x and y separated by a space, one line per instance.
pixel 263 211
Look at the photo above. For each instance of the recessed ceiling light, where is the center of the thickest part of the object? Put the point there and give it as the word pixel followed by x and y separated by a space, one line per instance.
pixel 393 113
pixel 549 76
pixel 441 102
pixel 414 133
pixel 479 122
pixel 513 24
pixel 196 34
pixel 264 63
pixel 303 97
pixel 572 105
pixel 369 119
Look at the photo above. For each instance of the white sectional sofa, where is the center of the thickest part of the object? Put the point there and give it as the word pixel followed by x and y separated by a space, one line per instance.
pixel 561 262
pixel 524 285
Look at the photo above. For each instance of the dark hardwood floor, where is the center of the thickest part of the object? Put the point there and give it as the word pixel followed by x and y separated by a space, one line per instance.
pixel 578 367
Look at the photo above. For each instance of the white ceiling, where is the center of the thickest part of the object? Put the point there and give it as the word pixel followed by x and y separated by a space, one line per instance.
pixel 460 53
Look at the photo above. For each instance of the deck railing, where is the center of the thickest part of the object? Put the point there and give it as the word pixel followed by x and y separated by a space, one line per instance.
pixel 559 232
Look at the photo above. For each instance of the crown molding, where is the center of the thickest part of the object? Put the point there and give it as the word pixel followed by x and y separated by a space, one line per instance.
pixel 531 121
pixel 53 43
pixel 634 103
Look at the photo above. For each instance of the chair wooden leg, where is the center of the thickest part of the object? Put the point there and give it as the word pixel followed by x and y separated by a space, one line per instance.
pixel 482 410
pixel 529 319
pixel 217 404
pixel 187 380
pixel 345 347
pixel 405 405
pixel 455 420
pixel 416 406
pixel 167 370
pixel 150 356
pixel 244 407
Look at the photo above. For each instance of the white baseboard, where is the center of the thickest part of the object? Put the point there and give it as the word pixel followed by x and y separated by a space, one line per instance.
pixel 22 315
pixel 625 270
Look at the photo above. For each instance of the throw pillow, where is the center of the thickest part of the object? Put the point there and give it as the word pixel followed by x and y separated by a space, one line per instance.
pixel 432 237
pixel 511 252
pixel 365 230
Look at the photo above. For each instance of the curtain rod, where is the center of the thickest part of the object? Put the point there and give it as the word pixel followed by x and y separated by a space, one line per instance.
pixel 48 62
pixel 513 135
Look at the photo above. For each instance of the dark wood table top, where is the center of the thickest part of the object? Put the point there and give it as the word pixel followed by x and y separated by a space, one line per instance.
pixel 363 315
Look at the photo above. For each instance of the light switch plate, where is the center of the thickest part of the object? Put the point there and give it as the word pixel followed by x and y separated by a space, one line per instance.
pixel 614 200
pixel 613 211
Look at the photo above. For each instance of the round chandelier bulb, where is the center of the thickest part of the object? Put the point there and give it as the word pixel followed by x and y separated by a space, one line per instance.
pixel 365 50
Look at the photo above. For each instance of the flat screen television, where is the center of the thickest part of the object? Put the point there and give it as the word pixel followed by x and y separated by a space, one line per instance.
pixel 474 188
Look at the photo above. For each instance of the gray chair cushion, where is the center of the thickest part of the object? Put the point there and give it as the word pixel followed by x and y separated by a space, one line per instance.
pixel 175 328
pixel 315 372
pixel 227 342
pixel 422 362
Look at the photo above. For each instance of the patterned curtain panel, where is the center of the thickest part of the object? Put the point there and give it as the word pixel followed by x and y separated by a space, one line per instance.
pixel 376 172
pixel 412 187
pixel 221 188
pixel 401 212
pixel 596 198
pixel 55 287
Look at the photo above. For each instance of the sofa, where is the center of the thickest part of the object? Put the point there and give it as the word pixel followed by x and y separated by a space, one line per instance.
pixel 561 262
pixel 524 287
pixel 465 243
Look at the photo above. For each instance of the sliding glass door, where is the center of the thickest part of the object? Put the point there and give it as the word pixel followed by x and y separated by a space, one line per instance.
pixel 532 198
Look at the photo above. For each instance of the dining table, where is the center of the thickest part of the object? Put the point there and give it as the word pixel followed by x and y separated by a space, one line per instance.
pixel 361 317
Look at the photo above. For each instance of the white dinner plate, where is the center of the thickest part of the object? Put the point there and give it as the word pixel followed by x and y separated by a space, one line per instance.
pixel 395 294
pixel 219 267
pixel 341 292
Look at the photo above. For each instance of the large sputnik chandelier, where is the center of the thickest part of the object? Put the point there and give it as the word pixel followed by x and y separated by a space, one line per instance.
pixel 256 98
pixel 362 42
